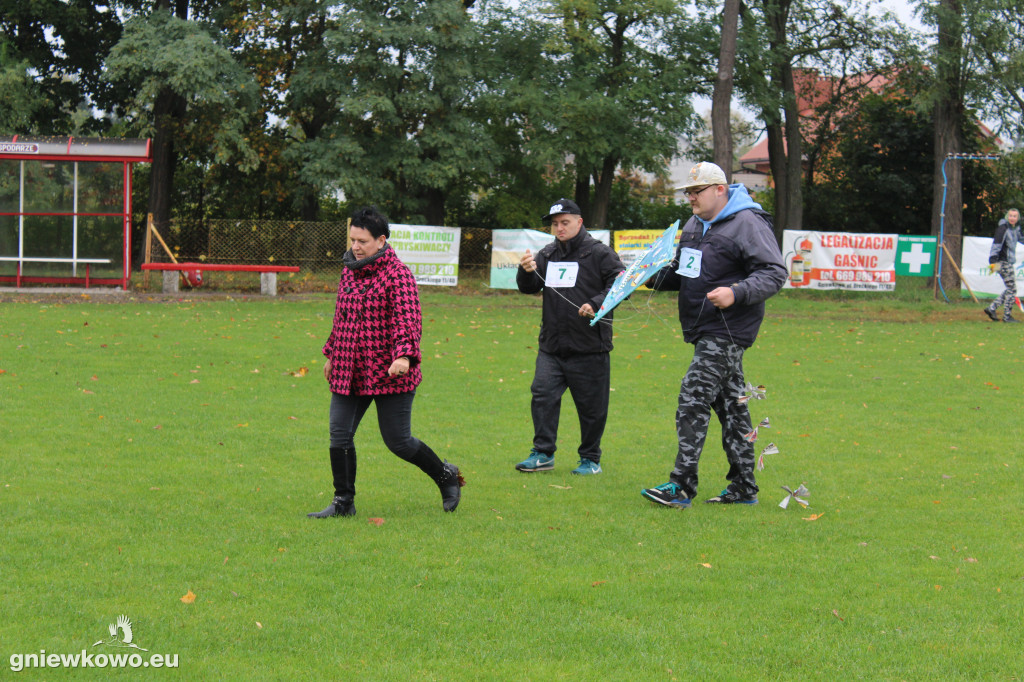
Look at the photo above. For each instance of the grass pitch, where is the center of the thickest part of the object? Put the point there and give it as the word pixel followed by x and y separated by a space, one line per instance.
pixel 153 450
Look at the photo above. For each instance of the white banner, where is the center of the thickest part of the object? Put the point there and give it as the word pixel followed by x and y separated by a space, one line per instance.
pixel 432 253
pixel 974 265
pixel 508 246
pixel 840 260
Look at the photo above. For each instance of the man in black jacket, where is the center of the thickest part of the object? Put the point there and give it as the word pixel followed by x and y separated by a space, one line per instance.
pixel 574 272
pixel 727 264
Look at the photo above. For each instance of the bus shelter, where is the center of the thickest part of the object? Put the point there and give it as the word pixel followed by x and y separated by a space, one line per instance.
pixel 65 209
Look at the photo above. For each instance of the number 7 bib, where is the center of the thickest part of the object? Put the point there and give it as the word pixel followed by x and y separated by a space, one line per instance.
pixel 689 263
pixel 561 275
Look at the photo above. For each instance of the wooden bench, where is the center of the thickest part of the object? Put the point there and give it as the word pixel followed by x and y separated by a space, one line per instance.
pixel 268 273
pixel 19 260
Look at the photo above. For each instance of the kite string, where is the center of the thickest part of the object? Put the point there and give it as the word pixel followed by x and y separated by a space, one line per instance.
pixel 650 310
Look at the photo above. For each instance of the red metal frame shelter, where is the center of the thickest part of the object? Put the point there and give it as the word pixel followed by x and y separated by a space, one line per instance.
pixel 59 193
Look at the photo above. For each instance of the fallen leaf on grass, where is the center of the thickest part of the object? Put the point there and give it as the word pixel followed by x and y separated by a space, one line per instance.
pixel 706 565
pixel 300 372
pixel 971 560
pixel 377 521
pixel 189 597
pixel 259 625
pixel 835 613
pixel 560 487
pixel 813 517
pixel 598 582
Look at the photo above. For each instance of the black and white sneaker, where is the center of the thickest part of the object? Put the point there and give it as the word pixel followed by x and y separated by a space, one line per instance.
pixel 732 497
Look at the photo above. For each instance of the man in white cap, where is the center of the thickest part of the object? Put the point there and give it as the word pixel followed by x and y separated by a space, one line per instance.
pixel 727 264
pixel 574 272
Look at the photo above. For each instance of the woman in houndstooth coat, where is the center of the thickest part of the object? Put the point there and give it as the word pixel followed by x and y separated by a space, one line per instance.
pixel 373 356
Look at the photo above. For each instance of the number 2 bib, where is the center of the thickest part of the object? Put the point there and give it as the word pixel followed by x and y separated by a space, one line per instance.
pixel 689 263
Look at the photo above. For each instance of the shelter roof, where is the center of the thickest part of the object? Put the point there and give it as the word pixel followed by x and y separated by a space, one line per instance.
pixel 76 148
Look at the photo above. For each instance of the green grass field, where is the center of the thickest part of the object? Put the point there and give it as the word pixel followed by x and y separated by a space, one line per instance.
pixel 157 448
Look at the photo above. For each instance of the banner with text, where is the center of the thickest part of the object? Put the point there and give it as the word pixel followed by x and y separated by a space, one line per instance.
pixel 631 244
pixel 974 265
pixel 840 260
pixel 432 253
pixel 508 247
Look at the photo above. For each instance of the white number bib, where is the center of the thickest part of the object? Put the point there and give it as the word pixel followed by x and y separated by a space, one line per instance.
pixel 561 275
pixel 689 263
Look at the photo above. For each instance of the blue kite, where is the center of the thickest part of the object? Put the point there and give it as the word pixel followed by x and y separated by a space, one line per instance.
pixel 642 269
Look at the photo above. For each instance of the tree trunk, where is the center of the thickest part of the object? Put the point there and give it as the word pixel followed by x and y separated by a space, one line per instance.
pixel 435 210
pixel 793 218
pixel 603 194
pixel 721 99
pixel 784 143
pixel 777 166
pixel 949 110
pixel 168 108
pixel 582 192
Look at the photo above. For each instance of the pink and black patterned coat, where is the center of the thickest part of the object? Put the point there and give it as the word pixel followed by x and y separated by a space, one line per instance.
pixel 377 320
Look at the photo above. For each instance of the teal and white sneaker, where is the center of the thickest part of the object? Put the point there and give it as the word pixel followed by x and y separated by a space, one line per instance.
pixel 537 461
pixel 668 494
pixel 587 467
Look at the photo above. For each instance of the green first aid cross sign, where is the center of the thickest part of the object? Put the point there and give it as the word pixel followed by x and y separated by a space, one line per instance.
pixel 915 256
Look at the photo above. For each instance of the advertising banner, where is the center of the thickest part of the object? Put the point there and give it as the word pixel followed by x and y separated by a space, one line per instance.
pixel 432 253
pixel 974 265
pixel 839 260
pixel 508 246
pixel 631 244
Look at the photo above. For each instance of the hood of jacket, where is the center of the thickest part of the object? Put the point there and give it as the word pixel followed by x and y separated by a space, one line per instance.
pixel 739 199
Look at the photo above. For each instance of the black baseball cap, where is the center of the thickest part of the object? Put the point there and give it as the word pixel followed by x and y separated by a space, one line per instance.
pixel 562 206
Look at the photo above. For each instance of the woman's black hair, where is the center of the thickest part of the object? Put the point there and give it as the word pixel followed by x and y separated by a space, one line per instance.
pixel 372 220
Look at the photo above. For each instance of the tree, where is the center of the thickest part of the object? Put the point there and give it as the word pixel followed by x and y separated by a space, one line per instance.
pixel 837 39
pixel 407 134
pixel 721 99
pixel 618 93
pixel 22 101
pixel 977 61
pixel 191 95
pixel 63 45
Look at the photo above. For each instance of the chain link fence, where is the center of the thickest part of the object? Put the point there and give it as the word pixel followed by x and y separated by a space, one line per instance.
pixel 313 246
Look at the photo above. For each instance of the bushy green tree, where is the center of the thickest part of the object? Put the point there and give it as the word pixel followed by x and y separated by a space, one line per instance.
pixel 191 96
pixel 63 45
pixel 618 88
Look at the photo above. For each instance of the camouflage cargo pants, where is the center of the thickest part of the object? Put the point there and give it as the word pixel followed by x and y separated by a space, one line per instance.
pixel 1009 295
pixel 714 381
